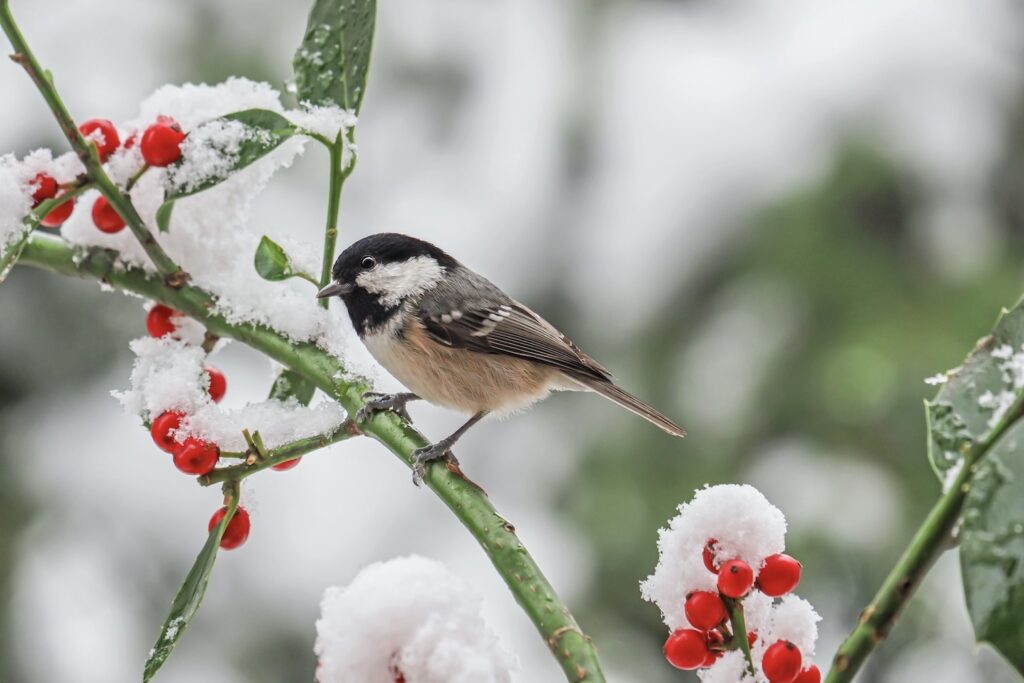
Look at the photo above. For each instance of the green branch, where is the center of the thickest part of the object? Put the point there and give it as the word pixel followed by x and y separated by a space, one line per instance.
pixel 930 541
pixel 572 648
pixel 86 151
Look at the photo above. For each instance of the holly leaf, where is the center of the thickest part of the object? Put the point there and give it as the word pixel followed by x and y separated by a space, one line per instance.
pixel 271 262
pixel 332 62
pixel 190 596
pixel 979 396
pixel 992 547
pixel 233 142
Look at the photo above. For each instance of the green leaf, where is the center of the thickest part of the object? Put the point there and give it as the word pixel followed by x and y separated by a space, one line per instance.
pixel 186 602
pixel 979 396
pixel 992 547
pixel 9 255
pixel 289 384
pixel 266 129
pixel 332 63
pixel 271 262
pixel 163 216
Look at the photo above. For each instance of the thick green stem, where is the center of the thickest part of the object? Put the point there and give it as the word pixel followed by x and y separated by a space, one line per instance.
pixel 85 150
pixel 573 649
pixel 275 456
pixel 338 178
pixel 930 541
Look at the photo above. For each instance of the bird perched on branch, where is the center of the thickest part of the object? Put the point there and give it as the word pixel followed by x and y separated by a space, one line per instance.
pixel 455 340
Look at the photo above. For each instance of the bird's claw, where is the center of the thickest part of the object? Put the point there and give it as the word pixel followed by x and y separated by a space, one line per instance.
pixel 377 402
pixel 421 457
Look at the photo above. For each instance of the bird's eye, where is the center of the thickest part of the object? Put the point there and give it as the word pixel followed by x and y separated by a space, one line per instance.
pixel 368 262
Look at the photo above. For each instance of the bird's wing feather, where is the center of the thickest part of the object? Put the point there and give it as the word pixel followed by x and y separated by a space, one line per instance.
pixel 507 327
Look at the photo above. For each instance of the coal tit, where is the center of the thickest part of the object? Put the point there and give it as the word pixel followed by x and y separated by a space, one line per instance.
pixel 456 340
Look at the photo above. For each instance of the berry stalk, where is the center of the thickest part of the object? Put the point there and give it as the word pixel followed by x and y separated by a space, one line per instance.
pixel 86 150
pixel 739 631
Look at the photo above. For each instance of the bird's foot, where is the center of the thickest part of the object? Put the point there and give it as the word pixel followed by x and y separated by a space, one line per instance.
pixel 377 402
pixel 421 457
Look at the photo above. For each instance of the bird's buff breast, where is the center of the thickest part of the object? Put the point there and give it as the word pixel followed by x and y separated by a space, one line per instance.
pixel 461 380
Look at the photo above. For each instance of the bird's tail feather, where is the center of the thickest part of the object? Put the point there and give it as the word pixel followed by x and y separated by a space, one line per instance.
pixel 632 404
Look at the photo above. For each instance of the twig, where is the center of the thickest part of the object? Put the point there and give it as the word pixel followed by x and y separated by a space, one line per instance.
pixel 338 177
pixel 280 454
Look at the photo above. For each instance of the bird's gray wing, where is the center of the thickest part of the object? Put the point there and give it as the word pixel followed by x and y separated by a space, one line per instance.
pixel 491 322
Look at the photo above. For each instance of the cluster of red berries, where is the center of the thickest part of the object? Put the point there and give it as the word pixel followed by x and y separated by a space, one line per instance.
pixel 160 146
pixel 192 456
pixel 702 645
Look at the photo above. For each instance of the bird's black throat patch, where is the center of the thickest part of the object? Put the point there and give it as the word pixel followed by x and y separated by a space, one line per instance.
pixel 366 311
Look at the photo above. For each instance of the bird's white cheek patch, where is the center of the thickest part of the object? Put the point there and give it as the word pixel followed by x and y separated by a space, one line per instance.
pixel 394 282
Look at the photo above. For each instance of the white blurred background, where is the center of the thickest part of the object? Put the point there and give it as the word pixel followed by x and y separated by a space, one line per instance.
pixel 773 218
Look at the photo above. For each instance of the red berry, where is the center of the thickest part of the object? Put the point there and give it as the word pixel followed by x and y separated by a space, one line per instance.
pixel 106 218
pixel 286 465
pixel 161 430
pixel 237 530
pixel 704 610
pixel 779 575
pixel 709 555
pixel 161 143
pixel 711 658
pixel 106 138
pixel 781 662
pixel 196 456
pixel 218 383
pixel 751 637
pixel 735 578
pixel 58 214
pixel 159 322
pixel 46 188
pixel 811 674
pixel 686 649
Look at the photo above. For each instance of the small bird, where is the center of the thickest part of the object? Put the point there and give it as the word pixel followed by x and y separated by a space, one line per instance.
pixel 456 340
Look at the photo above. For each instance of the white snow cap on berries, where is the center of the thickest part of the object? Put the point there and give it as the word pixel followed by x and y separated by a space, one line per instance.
pixel 168 375
pixel 746 527
pixel 743 523
pixel 409 615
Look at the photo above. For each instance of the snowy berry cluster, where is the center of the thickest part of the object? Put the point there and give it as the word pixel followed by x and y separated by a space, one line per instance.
pixel 160 146
pixel 722 557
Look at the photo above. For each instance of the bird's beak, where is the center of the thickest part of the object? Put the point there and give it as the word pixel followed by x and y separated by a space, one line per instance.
pixel 335 288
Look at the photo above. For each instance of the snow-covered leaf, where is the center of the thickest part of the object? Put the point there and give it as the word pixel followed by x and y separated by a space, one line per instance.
pixel 289 384
pixel 975 401
pixel 218 148
pixel 9 254
pixel 992 547
pixel 332 62
pixel 271 262
pixel 186 602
